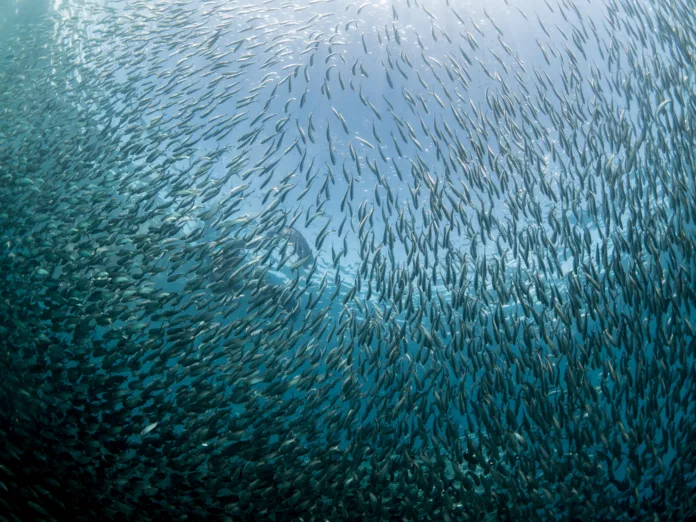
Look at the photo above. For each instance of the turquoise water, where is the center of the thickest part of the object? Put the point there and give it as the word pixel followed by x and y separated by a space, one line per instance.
pixel 347 261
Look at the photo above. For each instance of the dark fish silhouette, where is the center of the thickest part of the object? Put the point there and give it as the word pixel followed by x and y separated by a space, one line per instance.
pixel 302 249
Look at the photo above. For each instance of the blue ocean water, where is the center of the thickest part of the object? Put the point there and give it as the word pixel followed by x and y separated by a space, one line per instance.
pixel 347 260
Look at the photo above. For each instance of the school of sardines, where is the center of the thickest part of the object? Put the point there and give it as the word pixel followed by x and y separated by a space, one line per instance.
pixel 298 260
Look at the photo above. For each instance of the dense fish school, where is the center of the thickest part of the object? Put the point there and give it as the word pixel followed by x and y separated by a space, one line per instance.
pixel 326 260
